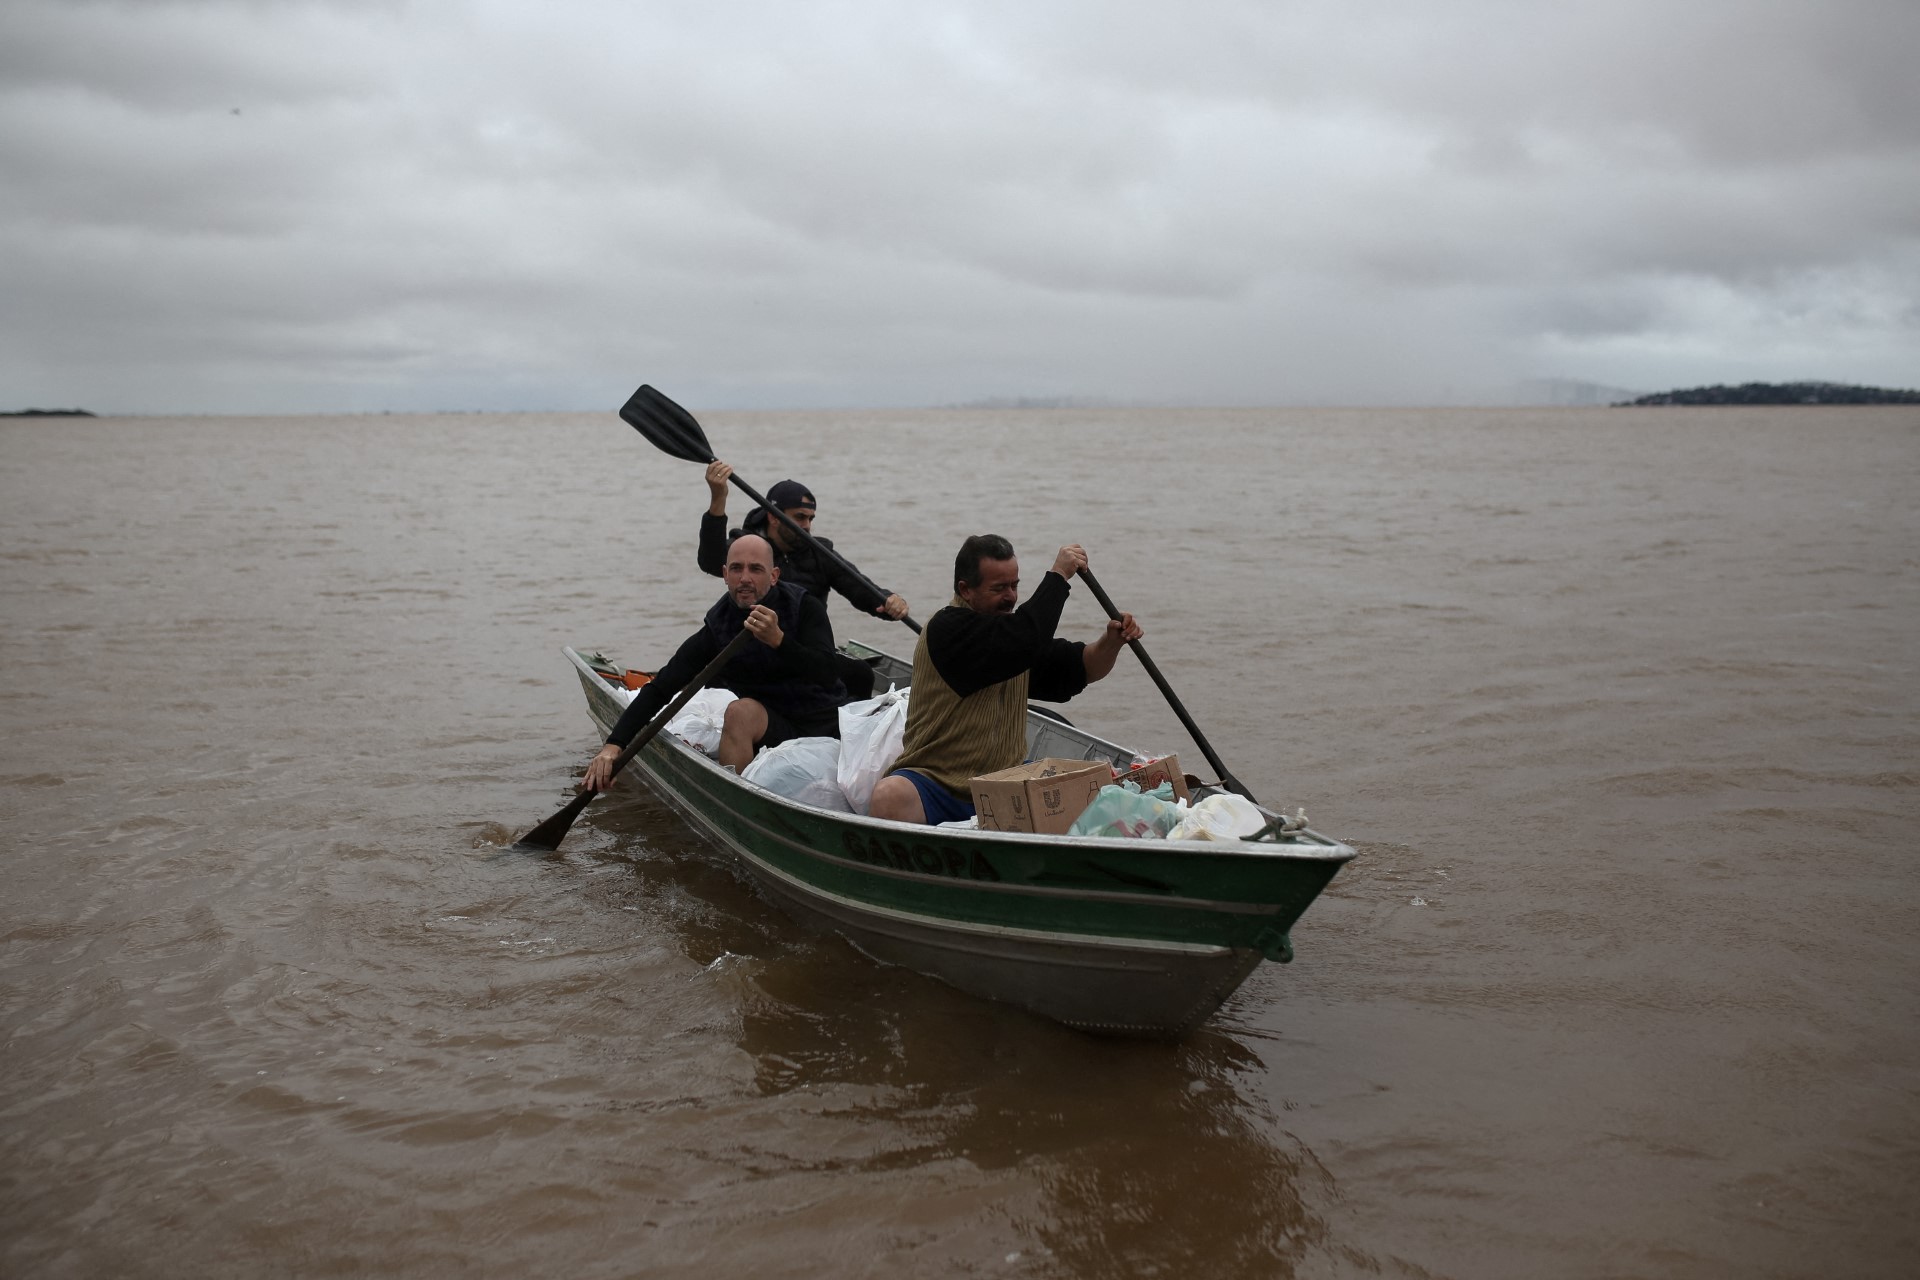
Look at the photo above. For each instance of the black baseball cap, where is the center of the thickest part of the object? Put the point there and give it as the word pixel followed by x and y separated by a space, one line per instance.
pixel 789 494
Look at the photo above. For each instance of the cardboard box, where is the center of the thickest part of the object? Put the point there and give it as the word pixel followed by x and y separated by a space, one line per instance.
pixel 1044 796
pixel 1154 772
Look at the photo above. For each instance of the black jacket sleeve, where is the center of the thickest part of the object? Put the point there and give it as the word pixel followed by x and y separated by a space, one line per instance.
pixel 848 583
pixel 808 653
pixel 1060 673
pixel 713 544
pixel 973 650
pixel 687 662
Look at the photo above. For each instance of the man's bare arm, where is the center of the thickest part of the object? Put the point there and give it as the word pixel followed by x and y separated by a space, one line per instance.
pixel 1099 657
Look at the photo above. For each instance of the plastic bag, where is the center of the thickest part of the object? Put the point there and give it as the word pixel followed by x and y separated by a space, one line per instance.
pixel 700 720
pixel 1222 817
pixel 802 769
pixel 871 733
pixel 1123 809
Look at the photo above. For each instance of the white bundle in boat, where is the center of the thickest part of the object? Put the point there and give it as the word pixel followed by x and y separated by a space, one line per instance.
pixel 871 733
pixel 806 770
pixel 1221 817
pixel 700 721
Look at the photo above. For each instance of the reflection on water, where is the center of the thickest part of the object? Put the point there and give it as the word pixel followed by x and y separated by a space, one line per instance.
pixel 1163 1168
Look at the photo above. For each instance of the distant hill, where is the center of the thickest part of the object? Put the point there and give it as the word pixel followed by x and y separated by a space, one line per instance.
pixel 45 413
pixel 1778 393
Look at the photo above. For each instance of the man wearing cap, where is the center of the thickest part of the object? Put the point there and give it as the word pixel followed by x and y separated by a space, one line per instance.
pixel 977 662
pixel 800 563
pixel 788 684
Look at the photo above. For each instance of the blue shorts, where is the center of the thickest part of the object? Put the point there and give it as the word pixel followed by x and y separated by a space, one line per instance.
pixel 940 804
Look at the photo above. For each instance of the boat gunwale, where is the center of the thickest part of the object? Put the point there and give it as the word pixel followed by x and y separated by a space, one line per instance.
pixel 1224 906
pixel 1323 849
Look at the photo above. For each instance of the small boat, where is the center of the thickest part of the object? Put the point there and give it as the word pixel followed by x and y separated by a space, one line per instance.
pixel 1119 937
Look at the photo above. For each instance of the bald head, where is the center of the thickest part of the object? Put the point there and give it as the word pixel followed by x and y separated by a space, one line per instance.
pixel 749 571
pixel 750 544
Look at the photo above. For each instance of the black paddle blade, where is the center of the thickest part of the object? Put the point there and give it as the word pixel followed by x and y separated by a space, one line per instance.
pixel 671 428
pixel 546 837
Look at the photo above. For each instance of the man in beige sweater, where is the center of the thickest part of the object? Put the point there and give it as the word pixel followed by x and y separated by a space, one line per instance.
pixel 976 664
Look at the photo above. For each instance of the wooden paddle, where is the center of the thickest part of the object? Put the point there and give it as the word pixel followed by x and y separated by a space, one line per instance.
pixel 673 431
pixel 1106 602
pixel 546 837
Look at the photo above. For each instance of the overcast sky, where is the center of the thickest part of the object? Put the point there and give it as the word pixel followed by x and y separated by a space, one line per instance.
pixel 284 206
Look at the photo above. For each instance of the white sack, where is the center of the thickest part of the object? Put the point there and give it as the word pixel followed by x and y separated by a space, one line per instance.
pixel 699 722
pixel 870 736
pixel 1222 817
pixel 802 769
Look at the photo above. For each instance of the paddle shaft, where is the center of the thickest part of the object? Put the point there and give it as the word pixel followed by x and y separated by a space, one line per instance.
pixel 549 834
pixel 794 527
pixel 1206 749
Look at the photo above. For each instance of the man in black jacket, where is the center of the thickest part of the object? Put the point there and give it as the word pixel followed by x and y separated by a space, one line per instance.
pixel 799 562
pixel 788 684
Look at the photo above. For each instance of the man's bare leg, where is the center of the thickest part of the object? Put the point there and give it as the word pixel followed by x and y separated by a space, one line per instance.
pixel 897 800
pixel 741 731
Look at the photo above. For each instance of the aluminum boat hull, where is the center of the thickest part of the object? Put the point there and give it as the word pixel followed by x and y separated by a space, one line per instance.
pixel 1140 938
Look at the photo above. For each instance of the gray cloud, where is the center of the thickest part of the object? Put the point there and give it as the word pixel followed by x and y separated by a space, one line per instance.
pixel 231 206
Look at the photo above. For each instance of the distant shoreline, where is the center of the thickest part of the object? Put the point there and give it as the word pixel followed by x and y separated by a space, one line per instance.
pixel 1750 394
pixel 1788 393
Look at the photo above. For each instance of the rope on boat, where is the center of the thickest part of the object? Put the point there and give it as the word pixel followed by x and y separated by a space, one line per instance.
pixel 1283 827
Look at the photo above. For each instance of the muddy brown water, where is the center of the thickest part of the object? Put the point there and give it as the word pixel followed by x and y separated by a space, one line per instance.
pixel 1618 706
